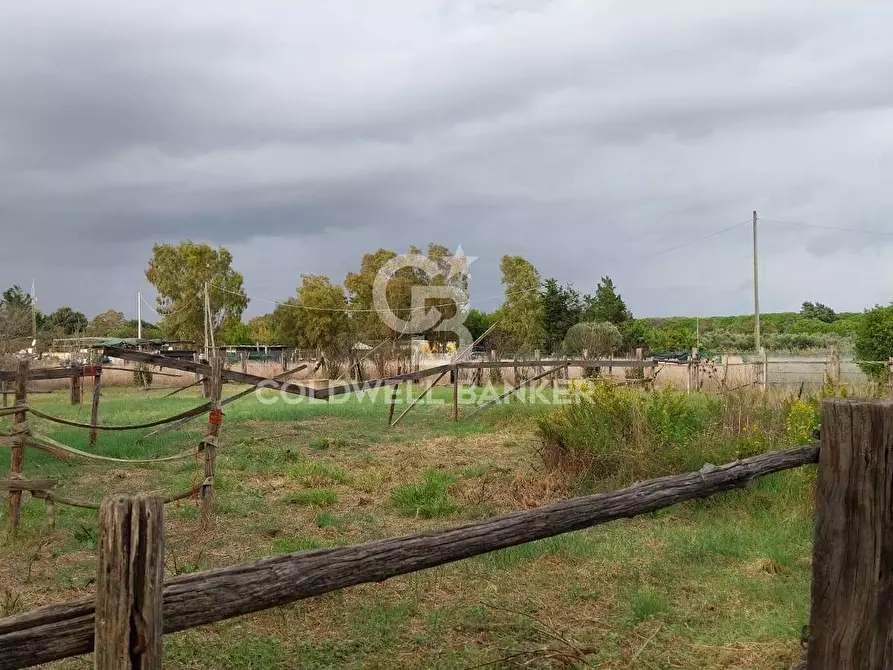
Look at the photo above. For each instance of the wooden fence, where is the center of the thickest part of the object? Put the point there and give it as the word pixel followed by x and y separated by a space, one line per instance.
pixel 851 611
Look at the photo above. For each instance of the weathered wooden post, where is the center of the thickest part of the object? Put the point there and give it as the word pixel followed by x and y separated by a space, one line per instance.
pixel 456 392
pixel 394 396
pixel 851 619
pixel 764 369
pixel 94 409
pixel 835 364
pixel 75 386
pixel 17 458
pixel 209 444
pixel 129 584
pixel 890 375
pixel 3 392
pixel 694 369
pixel 244 357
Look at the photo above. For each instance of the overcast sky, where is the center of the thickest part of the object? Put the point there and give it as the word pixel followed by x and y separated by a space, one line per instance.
pixel 588 136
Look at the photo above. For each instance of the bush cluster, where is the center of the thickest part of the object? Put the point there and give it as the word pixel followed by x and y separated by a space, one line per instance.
pixel 610 436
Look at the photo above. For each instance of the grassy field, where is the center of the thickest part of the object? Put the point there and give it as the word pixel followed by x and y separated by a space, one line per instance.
pixel 722 583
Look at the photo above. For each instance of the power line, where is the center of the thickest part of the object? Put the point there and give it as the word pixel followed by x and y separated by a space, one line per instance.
pixel 348 310
pixel 696 240
pixel 804 224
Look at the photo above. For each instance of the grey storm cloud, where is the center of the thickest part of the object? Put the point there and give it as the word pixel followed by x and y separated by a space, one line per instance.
pixel 588 136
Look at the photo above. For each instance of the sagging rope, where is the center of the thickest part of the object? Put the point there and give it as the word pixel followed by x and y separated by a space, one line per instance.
pixel 43 440
pixel 52 497
pixel 201 409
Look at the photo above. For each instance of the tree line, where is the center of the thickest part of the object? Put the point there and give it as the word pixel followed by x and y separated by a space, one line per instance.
pixel 536 313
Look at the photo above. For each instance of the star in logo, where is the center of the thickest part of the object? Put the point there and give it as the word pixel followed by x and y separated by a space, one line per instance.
pixel 459 263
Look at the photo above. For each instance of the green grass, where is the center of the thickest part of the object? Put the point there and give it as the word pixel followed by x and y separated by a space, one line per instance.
pixel 720 582
pixel 315 497
pixel 429 498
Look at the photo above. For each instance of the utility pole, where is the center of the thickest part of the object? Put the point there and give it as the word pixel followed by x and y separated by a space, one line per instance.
pixel 756 287
pixel 139 316
pixel 34 316
pixel 207 325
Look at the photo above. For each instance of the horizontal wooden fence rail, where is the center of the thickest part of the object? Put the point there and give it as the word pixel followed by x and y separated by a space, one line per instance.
pixel 60 631
pixel 45 374
pixel 203 369
pixel 571 362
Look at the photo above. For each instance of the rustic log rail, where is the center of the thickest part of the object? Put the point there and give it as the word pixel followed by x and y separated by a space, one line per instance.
pixel 60 631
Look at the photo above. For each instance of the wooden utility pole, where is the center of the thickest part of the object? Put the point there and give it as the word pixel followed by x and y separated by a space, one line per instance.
pixel 129 584
pixel 756 287
pixel 852 565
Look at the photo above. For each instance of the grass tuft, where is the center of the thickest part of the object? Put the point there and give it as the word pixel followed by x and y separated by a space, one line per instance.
pixel 429 498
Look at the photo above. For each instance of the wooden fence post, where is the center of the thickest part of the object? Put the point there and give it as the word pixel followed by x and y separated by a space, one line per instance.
pixel 694 369
pixel 3 393
pixel 456 392
pixel 210 443
pixel 764 365
pixel 94 410
pixel 17 458
pixel 75 389
pixel 835 364
pixel 851 619
pixel 890 375
pixel 128 624
pixel 244 357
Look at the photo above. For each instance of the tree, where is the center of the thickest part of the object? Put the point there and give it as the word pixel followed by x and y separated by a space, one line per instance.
pixel 562 309
pixel 874 340
pixel 179 274
pixel 14 298
pixel 607 305
pixel 324 323
pixel 108 324
pixel 65 321
pixel 16 320
pixel 237 333
pixel 359 286
pixel 285 324
pixel 262 329
pixel 634 333
pixel 521 315
pixel 818 311
pixel 595 338
pixel 477 323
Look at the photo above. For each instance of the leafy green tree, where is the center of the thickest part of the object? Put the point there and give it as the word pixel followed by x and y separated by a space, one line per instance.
pixel 521 315
pixel 108 324
pixel 562 308
pixel 324 323
pixel 16 323
pixel 237 333
pixel 359 285
pixel 179 274
pixel 635 334
pixel 606 305
pixel 14 298
pixel 66 321
pixel 818 311
pixel 285 324
pixel 262 329
pixel 874 340
pixel 477 323
pixel 595 338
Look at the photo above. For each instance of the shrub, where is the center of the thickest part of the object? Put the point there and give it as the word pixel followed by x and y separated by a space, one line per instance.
pixel 802 420
pixel 429 498
pixel 610 436
pixel 597 338
pixel 874 340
